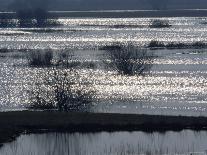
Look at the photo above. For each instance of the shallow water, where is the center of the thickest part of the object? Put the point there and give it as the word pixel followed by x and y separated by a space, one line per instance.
pixel 92 32
pixel 126 143
pixel 176 84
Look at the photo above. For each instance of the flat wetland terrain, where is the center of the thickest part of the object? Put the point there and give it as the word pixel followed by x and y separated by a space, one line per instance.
pixel 101 74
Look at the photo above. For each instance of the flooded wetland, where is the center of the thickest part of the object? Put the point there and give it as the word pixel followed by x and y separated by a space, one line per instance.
pixel 88 61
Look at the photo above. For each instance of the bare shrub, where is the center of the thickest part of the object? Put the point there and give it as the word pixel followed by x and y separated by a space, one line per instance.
pixel 157 23
pixel 63 91
pixel 156 44
pixel 40 58
pixel 130 60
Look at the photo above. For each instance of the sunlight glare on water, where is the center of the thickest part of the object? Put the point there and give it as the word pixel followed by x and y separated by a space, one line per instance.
pixel 176 84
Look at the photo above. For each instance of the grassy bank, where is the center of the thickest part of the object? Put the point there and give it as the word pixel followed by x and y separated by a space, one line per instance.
pixel 15 123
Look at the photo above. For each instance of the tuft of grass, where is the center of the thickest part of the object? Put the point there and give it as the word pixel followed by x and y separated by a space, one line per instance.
pixel 157 23
pixel 129 59
pixel 40 58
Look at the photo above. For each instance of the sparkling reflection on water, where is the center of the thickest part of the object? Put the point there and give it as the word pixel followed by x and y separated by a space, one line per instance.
pixel 90 32
pixel 176 84
pixel 126 143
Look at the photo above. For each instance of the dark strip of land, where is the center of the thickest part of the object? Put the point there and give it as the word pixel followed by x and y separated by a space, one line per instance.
pixel 14 123
pixel 124 14
pixel 131 14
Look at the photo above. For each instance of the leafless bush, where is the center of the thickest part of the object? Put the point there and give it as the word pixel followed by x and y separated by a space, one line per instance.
pixel 157 23
pixel 61 90
pixel 130 60
pixel 40 58
pixel 156 44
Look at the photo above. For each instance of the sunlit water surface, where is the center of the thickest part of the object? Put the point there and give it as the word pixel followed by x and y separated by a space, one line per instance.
pixel 118 143
pixel 176 84
pixel 91 32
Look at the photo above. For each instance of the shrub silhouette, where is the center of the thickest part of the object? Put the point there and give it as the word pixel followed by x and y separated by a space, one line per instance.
pixel 62 91
pixel 40 58
pixel 159 24
pixel 129 59
pixel 157 44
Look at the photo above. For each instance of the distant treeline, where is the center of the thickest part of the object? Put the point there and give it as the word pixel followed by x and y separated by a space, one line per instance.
pixel 28 18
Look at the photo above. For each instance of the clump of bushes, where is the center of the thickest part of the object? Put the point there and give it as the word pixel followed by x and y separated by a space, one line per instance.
pixel 157 23
pixel 199 44
pixel 61 91
pixel 28 18
pixel 114 46
pixel 174 45
pixel 65 60
pixel 129 59
pixel 40 58
pixel 156 44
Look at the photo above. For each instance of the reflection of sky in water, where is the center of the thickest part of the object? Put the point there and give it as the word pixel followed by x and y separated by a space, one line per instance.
pixel 176 84
pixel 125 143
